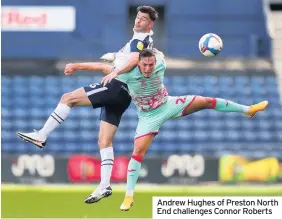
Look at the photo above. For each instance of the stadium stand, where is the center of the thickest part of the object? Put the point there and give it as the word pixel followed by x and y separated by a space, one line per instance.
pixel 31 80
pixel 207 132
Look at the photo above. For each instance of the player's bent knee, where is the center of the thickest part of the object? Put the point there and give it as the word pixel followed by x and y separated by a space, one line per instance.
pixel 65 98
pixel 204 102
pixel 69 99
pixel 139 151
pixel 103 143
pixel 209 102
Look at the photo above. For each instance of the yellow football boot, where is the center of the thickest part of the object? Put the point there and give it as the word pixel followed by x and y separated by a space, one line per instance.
pixel 256 108
pixel 127 203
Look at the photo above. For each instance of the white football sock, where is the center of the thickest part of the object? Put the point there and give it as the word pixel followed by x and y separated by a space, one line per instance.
pixel 56 118
pixel 107 161
pixel 246 109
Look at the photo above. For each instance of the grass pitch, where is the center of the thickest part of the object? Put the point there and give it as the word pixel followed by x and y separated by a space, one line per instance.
pixel 55 201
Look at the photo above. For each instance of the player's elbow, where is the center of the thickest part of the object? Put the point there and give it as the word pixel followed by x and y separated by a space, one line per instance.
pixel 134 57
pixel 135 62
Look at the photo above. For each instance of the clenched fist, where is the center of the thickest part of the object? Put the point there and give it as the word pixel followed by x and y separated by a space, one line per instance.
pixel 70 68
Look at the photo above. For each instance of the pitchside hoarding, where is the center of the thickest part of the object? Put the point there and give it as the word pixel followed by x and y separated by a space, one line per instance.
pixel 176 169
pixel 80 168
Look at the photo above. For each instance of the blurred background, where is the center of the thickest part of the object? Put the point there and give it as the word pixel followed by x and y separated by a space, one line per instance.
pixel 196 154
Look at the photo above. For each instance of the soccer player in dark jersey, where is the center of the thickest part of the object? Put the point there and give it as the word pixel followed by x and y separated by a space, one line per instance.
pixel 113 99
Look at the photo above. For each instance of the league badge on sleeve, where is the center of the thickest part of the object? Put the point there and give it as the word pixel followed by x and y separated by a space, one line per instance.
pixel 140 45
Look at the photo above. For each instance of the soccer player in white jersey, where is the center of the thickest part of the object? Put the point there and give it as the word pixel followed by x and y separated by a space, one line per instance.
pixel 113 98
pixel 155 106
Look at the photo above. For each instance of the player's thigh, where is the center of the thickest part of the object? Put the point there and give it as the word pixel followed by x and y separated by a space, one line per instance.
pixel 113 111
pixel 99 95
pixel 176 105
pixel 110 119
pixel 199 103
pixel 106 134
pixel 77 97
pixel 149 125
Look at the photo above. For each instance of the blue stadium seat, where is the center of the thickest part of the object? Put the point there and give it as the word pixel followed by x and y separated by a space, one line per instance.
pixel 207 132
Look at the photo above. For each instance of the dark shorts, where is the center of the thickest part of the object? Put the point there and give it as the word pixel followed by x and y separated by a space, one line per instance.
pixel 113 99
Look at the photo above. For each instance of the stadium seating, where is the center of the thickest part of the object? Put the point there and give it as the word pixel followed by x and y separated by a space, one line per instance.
pixel 28 101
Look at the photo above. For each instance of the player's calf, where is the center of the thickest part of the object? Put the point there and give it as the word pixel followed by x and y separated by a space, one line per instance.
pixel 223 105
pixel 141 145
pixel 198 103
pixel 57 117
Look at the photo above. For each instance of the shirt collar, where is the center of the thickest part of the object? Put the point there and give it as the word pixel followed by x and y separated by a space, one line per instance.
pixel 139 34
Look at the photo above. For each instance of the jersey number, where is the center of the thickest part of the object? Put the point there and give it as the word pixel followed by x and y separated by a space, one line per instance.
pixel 93 85
pixel 180 99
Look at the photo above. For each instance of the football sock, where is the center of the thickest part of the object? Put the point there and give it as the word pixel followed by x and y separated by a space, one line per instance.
pixel 223 105
pixel 56 118
pixel 107 161
pixel 133 171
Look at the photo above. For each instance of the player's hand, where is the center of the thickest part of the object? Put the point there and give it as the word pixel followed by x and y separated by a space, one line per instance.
pixel 70 68
pixel 107 79
pixel 108 57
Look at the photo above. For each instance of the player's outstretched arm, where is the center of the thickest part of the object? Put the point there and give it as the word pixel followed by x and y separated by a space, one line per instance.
pixel 128 66
pixel 88 66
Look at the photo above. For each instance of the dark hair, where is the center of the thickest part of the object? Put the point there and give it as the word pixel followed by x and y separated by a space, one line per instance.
pixel 153 14
pixel 146 53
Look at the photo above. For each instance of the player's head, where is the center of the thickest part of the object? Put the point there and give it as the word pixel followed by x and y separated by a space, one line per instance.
pixel 145 19
pixel 147 62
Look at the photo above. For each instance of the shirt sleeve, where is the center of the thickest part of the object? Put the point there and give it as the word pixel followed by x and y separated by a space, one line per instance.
pixel 136 45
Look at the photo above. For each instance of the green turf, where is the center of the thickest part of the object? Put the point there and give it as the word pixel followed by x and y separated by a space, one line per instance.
pixel 67 202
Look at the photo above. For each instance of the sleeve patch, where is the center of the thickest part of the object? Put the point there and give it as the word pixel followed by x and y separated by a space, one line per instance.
pixel 140 45
pixel 136 46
